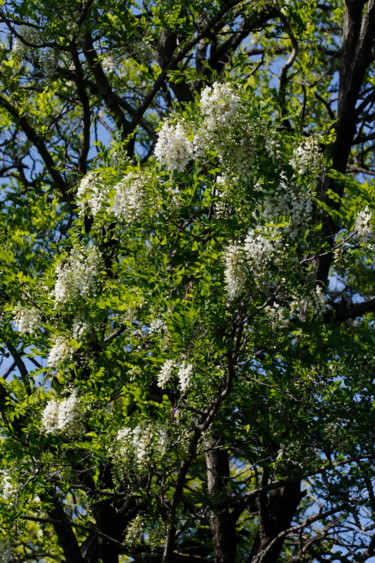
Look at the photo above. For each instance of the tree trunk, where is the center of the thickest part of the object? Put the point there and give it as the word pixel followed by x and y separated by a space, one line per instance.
pixel 277 509
pixel 221 522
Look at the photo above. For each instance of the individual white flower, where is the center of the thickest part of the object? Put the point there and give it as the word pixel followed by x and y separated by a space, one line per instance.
pixel 165 373
pixel 8 487
pixel 362 225
pixel 184 376
pixel 77 277
pixel 308 157
pixel 50 417
pixel 130 195
pixel 235 270
pixel 219 105
pixel 61 351
pixel 173 148
pixel 91 194
pixel 27 319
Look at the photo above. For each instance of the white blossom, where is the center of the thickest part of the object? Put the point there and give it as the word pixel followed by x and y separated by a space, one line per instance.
pixel 184 376
pixel 289 201
pixel 50 417
pixel 258 249
pixel 62 416
pixel 156 326
pixel 219 106
pixel 307 157
pixel 129 199
pixel 317 303
pixel 27 319
pixel 8 487
pixel 91 194
pixel 141 50
pixel 70 414
pixel 77 276
pixel 235 270
pixel 362 225
pixel 61 351
pixel 138 445
pixel 80 328
pixel 173 148
pixel 165 373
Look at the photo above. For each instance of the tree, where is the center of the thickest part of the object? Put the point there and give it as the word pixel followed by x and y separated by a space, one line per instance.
pixel 187 281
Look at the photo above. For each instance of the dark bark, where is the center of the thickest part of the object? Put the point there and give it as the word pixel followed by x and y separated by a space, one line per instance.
pixel 277 509
pixel 221 522
pixel 65 534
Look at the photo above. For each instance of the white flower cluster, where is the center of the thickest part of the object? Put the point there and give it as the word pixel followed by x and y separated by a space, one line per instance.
pixel 139 444
pixel 317 303
pixel 308 157
pixel 235 270
pixel 165 373
pixel 61 351
pixel 219 106
pixel 156 326
pixel 173 148
pixel 184 374
pixel 250 258
pixel 62 416
pixel 27 319
pixel 276 316
pixel 91 194
pixel 259 248
pixel 363 226
pixel 8 488
pixel 129 199
pixel 289 202
pixel 141 50
pixel 77 277
pixel 80 328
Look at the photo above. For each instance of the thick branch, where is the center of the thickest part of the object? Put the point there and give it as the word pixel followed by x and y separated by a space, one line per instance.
pixel 39 144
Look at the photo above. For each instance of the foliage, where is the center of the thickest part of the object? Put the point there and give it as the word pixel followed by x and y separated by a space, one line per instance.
pixel 187 261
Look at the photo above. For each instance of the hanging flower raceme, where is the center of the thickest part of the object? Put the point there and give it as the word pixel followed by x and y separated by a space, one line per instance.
pixel 91 194
pixel 219 106
pixel 130 195
pixel 173 148
pixel 78 275
pixel 363 227
pixel 27 319
pixel 63 417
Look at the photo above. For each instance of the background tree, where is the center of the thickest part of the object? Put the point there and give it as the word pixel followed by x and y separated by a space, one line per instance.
pixel 187 266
